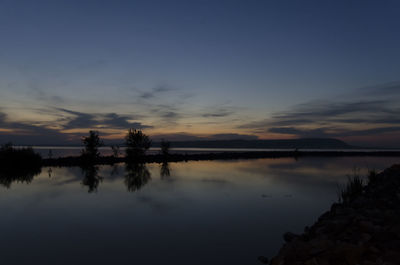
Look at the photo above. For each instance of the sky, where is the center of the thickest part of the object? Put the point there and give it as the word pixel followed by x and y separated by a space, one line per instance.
pixel 187 70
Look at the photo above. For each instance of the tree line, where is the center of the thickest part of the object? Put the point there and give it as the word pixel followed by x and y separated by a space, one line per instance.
pixel 136 142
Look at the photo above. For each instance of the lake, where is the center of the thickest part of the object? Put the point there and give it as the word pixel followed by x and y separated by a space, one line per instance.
pixel 196 212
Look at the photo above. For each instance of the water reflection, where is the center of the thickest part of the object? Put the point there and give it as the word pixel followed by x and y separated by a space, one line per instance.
pixel 50 172
pixel 115 170
pixel 242 206
pixel 91 177
pixel 137 175
pixel 165 170
pixel 8 175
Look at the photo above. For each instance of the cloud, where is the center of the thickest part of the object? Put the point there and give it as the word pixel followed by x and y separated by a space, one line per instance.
pixel 232 136
pixel 168 113
pixel 391 88
pixel 155 91
pixel 179 136
pixel 27 134
pixel 182 136
pixel 332 132
pixel 222 112
pixel 370 114
pixel 107 120
pixel 328 113
pixel 299 132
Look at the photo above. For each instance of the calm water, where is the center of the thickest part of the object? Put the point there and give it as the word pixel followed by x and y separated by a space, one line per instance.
pixel 207 212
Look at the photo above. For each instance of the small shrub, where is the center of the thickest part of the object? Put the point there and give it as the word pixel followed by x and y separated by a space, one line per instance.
pixel 115 150
pixel 92 144
pixel 165 146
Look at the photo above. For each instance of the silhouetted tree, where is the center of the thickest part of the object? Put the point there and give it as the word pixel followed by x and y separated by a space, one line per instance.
pixel 6 147
pixel 137 176
pixel 50 154
pixel 92 144
pixel 165 146
pixel 137 143
pixel 115 150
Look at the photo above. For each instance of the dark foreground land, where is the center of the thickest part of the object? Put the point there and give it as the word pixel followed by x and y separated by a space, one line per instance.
pixel 158 158
pixel 363 229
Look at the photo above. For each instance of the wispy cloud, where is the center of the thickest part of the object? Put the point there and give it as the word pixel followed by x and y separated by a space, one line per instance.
pixel 101 120
pixel 341 118
pixel 182 136
pixel 220 112
pixel 155 91
pixel 326 113
pixel 25 133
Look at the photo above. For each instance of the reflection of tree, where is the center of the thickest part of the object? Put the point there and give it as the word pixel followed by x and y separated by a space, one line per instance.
pixel 50 172
pixel 9 175
pixel 165 170
pixel 115 170
pixel 137 176
pixel 19 165
pixel 91 177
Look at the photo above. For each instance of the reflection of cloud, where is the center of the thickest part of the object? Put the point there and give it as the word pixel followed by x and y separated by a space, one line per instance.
pixel 214 181
pixel 157 205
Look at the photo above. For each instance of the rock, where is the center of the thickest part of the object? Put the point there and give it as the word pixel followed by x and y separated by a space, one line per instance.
pixel 363 232
pixel 365 237
pixel 263 260
pixel 366 226
pixel 312 261
pixel 396 230
pixel 289 237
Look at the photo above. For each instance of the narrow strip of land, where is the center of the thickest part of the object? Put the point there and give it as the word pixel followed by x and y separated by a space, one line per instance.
pixel 158 158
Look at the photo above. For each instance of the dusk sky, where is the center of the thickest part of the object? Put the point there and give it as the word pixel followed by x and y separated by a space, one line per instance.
pixel 200 69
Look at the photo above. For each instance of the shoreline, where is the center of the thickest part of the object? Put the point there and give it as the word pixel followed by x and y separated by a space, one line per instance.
pixel 158 158
pixel 364 229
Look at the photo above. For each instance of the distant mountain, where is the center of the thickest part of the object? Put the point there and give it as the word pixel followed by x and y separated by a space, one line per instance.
pixel 305 143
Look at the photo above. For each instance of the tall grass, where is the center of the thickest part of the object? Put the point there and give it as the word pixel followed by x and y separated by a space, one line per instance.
pixel 353 188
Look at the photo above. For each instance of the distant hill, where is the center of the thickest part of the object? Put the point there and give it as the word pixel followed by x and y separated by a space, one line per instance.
pixel 306 143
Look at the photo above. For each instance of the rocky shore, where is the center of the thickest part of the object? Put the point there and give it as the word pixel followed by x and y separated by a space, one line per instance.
pixel 364 230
